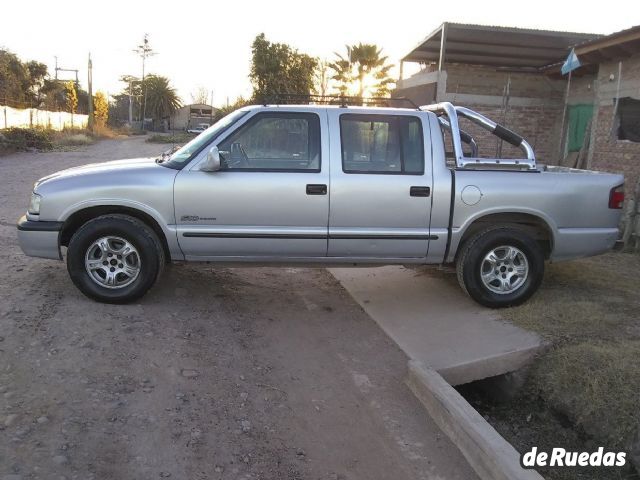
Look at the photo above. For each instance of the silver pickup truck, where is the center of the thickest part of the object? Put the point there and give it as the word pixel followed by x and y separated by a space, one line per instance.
pixel 326 185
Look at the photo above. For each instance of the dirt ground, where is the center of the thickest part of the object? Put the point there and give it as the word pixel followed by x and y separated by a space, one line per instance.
pixel 216 374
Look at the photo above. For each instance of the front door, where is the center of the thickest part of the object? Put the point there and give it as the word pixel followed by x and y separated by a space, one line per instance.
pixel 271 197
pixel 380 186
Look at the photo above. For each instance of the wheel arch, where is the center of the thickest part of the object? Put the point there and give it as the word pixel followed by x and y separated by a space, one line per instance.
pixel 535 225
pixel 79 217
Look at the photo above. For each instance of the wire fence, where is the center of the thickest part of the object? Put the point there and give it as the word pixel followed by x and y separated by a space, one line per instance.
pixel 33 117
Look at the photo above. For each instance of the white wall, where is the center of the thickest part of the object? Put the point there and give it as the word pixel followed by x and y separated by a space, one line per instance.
pixel 31 117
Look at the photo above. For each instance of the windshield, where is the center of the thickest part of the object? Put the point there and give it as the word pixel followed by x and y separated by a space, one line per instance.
pixel 181 156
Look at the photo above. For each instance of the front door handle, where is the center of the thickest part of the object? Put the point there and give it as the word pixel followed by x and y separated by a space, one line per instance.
pixel 316 189
pixel 419 191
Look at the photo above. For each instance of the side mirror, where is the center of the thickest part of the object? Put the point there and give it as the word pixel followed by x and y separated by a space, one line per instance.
pixel 212 162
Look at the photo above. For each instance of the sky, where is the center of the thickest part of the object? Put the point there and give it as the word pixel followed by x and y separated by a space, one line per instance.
pixel 208 44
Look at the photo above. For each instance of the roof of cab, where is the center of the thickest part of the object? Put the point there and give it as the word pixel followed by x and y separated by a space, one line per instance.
pixel 318 108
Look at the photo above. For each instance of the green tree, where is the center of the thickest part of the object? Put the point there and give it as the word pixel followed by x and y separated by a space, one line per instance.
pixel 363 71
pixel 232 107
pixel 162 98
pixel 15 81
pixel 279 68
pixel 71 96
pixel 322 77
pixel 101 109
pixel 37 76
pixel 200 95
pixel 53 94
pixel 119 108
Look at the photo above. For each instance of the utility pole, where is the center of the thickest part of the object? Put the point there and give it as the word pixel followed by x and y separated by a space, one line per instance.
pixel 90 92
pixel 77 84
pixel 144 51
pixel 211 118
pixel 130 105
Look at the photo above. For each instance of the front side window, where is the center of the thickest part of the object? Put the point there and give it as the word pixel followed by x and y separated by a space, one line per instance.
pixel 287 141
pixel 390 144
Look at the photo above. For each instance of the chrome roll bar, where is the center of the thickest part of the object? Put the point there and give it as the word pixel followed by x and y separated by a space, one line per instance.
pixel 464 136
pixel 458 135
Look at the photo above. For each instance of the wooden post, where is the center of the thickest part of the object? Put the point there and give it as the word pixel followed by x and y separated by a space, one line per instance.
pixel 90 92
pixel 443 42
pixel 564 114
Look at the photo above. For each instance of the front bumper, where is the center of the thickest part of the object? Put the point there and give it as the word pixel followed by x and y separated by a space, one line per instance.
pixel 39 238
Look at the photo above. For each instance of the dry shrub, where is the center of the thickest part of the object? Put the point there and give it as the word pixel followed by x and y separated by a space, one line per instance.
pixel 103 131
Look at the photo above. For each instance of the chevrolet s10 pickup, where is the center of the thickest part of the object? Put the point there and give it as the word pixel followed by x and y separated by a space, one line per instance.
pixel 326 185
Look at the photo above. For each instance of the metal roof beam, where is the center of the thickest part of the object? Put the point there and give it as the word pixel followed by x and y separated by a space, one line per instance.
pixel 504 47
pixel 482 59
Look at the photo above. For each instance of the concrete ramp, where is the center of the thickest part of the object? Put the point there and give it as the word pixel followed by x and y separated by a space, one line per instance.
pixel 435 323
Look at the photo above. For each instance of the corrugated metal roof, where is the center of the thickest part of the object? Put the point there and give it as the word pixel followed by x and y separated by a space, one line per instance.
pixel 496 46
pixel 617 46
pixel 621 36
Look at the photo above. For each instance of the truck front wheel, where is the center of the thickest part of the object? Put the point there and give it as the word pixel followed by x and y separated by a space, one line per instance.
pixel 114 258
pixel 500 267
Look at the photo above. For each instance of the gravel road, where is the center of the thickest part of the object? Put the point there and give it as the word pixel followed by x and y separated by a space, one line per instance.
pixel 218 373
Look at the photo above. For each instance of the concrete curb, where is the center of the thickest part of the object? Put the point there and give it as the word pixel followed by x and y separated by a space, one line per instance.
pixel 490 455
pixel 491 366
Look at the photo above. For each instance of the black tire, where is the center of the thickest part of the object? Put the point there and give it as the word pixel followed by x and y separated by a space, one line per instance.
pixel 134 231
pixel 470 263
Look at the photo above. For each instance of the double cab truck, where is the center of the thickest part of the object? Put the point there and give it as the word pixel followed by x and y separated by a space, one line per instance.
pixel 326 185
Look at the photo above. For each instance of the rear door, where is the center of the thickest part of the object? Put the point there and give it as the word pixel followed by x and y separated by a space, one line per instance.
pixel 381 183
pixel 270 199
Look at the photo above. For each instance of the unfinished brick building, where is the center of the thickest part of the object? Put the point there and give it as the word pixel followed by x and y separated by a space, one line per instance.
pixel 512 75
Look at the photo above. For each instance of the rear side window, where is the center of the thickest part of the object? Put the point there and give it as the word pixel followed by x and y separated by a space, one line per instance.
pixel 384 144
pixel 288 141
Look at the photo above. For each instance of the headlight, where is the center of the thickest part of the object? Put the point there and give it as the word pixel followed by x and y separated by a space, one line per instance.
pixel 34 204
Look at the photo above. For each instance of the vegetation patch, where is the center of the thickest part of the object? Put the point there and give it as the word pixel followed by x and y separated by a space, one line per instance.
pixel 597 385
pixel 43 139
pixel 25 139
pixel 73 140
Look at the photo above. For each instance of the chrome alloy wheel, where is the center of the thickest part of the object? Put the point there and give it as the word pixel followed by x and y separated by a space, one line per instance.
pixel 504 269
pixel 112 262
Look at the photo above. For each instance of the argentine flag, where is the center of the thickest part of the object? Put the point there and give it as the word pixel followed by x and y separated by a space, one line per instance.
pixel 571 63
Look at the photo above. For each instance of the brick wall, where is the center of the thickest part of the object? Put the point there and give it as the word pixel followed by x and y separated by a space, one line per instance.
pixel 481 80
pixel 537 124
pixel 607 152
pixel 534 110
pixel 613 155
pixel 536 106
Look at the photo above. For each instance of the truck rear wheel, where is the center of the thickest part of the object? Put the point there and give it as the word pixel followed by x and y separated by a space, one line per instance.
pixel 114 258
pixel 500 267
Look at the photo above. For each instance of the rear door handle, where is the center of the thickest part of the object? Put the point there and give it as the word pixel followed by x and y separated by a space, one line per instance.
pixel 316 189
pixel 419 191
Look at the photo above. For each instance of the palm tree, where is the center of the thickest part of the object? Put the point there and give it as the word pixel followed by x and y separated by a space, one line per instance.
pixel 162 99
pixel 363 67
